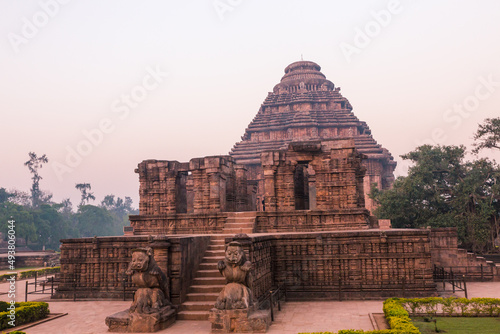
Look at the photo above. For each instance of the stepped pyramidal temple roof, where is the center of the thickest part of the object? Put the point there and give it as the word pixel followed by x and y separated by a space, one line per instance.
pixel 304 99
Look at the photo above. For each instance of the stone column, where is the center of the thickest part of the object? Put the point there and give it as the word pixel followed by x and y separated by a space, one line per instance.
pixel 312 187
pixel 270 189
pixel 198 191
pixel 241 189
pixel 214 180
pixel 160 245
pixel 171 194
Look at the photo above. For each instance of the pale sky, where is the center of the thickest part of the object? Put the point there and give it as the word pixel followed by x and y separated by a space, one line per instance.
pixel 173 80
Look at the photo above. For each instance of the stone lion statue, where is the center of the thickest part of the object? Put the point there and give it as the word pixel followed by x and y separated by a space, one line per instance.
pixel 235 268
pixel 153 291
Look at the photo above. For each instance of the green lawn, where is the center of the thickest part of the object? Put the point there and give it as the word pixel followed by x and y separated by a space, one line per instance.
pixel 460 325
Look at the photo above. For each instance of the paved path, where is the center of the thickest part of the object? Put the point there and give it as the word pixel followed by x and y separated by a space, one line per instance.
pixel 87 317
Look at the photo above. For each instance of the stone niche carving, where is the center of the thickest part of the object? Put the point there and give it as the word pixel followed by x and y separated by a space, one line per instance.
pixel 151 309
pixel 235 309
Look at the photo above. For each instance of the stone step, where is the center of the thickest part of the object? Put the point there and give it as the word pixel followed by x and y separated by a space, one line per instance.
pixel 208 266
pixel 216 253
pixel 206 288
pixel 216 247
pixel 218 241
pixel 201 297
pixel 234 228
pixel 192 315
pixel 238 230
pixel 197 306
pixel 212 259
pixel 218 280
pixel 238 225
pixel 241 214
pixel 241 219
pixel 208 273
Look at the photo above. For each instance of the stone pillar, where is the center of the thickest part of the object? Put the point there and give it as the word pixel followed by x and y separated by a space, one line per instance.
pixel 241 189
pixel 160 245
pixel 190 193
pixel 312 187
pixel 270 189
pixel 214 180
pixel 198 191
pixel 171 192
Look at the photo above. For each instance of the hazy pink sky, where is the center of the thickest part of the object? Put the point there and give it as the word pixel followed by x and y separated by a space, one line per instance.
pixel 415 71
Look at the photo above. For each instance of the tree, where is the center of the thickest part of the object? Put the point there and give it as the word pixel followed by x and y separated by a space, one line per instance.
pixel 120 210
pixel 443 190
pixel 34 164
pixel 24 222
pixel 93 220
pixel 86 196
pixel 5 195
pixel 487 135
pixel 50 225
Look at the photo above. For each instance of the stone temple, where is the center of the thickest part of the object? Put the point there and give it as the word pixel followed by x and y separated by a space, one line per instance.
pixel 293 192
pixel 307 106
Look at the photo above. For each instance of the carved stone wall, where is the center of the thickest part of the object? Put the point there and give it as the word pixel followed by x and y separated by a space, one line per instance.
pixel 259 251
pixel 446 254
pixel 310 221
pixel 349 265
pixel 315 175
pixel 178 223
pixel 307 106
pixel 94 267
pixel 203 185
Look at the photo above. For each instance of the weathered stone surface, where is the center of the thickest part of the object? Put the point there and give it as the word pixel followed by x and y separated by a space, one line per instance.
pixel 125 322
pixel 235 268
pixel 153 291
pixel 95 267
pixel 202 185
pixel 446 254
pixel 306 106
pixel 343 264
pixel 248 320
pixel 151 309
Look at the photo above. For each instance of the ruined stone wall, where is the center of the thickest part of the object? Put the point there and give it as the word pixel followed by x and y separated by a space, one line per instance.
pixel 95 267
pixel 30 259
pixel 204 185
pixel 259 251
pixel 178 224
pixel 185 255
pixel 331 171
pixel 311 221
pixel 349 265
pixel 446 254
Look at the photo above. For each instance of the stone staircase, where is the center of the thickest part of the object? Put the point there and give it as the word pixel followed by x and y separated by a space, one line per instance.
pixel 240 222
pixel 208 282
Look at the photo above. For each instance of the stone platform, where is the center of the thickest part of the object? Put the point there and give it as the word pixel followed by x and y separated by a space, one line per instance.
pixel 240 320
pixel 125 322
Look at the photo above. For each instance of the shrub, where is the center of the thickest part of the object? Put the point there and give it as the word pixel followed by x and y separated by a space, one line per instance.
pixel 25 312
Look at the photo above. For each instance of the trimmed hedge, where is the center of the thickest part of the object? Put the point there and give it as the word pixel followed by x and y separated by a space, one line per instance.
pixel 31 273
pixel 25 312
pixel 452 306
pixel 397 312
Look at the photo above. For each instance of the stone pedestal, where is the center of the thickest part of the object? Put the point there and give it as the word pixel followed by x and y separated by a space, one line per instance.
pixel 248 320
pixel 125 322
